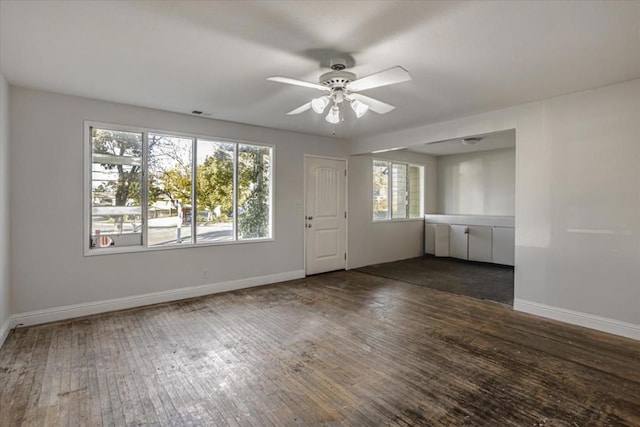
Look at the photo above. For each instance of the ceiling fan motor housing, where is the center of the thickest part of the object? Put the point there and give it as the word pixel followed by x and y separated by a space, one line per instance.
pixel 336 79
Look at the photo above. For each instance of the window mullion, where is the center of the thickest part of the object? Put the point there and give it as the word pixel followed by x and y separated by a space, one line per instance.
pixel 391 185
pixel 144 199
pixel 194 205
pixel 235 191
pixel 407 198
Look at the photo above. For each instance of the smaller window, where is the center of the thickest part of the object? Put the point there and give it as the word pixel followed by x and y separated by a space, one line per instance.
pixel 399 193
pixel 398 190
pixel 254 186
pixel 214 185
pixel 116 188
pixel 416 191
pixel 169 190
pixel 380 190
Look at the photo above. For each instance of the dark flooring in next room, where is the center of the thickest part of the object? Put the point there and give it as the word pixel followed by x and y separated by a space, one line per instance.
pixel 343 348
pixel 475 279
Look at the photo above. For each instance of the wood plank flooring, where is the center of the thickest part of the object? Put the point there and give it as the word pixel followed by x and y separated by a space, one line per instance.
pixel 474 279
pixel 343 348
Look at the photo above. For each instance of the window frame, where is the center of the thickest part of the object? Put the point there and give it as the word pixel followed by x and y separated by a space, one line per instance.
pixel 389 217
pixel 87 180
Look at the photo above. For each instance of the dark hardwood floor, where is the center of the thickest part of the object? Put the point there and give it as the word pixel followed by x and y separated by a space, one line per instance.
pixel 343 348
pixel 474 279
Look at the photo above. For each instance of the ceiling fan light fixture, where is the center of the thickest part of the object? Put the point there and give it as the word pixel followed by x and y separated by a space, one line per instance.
pixel 360 108
pixel 340 86
pixel 319 104
pixel 334 115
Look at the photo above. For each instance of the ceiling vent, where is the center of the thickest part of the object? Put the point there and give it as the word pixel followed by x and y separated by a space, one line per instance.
pixel 201 113
pixel 471 140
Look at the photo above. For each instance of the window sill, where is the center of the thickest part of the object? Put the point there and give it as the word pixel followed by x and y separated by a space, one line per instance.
pixel 132 249
pixel 387 221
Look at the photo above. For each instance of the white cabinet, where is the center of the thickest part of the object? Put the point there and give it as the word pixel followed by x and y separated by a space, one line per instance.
pixel 480 243
pixel 503 245
pixel 430 239
pixel 436 239
pixel 442 239
pixel 482 238
pixel 459 241
pixel 471 242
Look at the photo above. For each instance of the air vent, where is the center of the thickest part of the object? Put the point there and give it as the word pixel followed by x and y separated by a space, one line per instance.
pixel 471 141
pixel 201 113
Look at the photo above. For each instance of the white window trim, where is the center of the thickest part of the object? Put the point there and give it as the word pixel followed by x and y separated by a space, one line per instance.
pixel 87 154
pixel 386 221
pixel 390 188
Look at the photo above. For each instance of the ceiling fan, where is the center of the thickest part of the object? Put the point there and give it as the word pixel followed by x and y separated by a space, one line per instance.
pixel 344 86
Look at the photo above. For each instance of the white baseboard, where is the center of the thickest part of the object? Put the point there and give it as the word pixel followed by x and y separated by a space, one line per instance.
pixel 4 330
pixel 77 310
pixel 591 321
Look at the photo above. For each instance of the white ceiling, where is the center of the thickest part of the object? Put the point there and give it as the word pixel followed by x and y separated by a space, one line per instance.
pixel 489 141
pixel 465 57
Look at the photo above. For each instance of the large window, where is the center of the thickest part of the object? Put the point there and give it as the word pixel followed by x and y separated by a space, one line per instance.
pixel 150 189
pixel 397 190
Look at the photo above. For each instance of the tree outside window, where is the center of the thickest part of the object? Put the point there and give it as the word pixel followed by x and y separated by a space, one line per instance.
pixel 231 198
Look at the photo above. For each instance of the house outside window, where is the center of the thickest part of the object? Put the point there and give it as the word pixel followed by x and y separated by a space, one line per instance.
pixel 149 189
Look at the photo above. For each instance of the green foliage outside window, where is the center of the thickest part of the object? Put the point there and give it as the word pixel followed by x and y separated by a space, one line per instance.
pixel 169 169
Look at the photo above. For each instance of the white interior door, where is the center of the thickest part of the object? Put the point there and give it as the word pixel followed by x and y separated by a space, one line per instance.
pixel 325 215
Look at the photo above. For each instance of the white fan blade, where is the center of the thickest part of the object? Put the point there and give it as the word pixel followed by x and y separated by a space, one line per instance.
pixel 296 82
pixel 374 105
pixel 300 109
pixel 387 77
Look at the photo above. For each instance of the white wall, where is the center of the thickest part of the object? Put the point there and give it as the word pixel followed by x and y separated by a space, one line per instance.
pixel 480 183
pixel 48 266
pixel 577 205
pixel 5 303
pixel 577 201
pixel 376 242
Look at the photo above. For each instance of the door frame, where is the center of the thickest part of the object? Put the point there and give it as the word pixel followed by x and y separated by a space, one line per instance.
pixel 346 205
